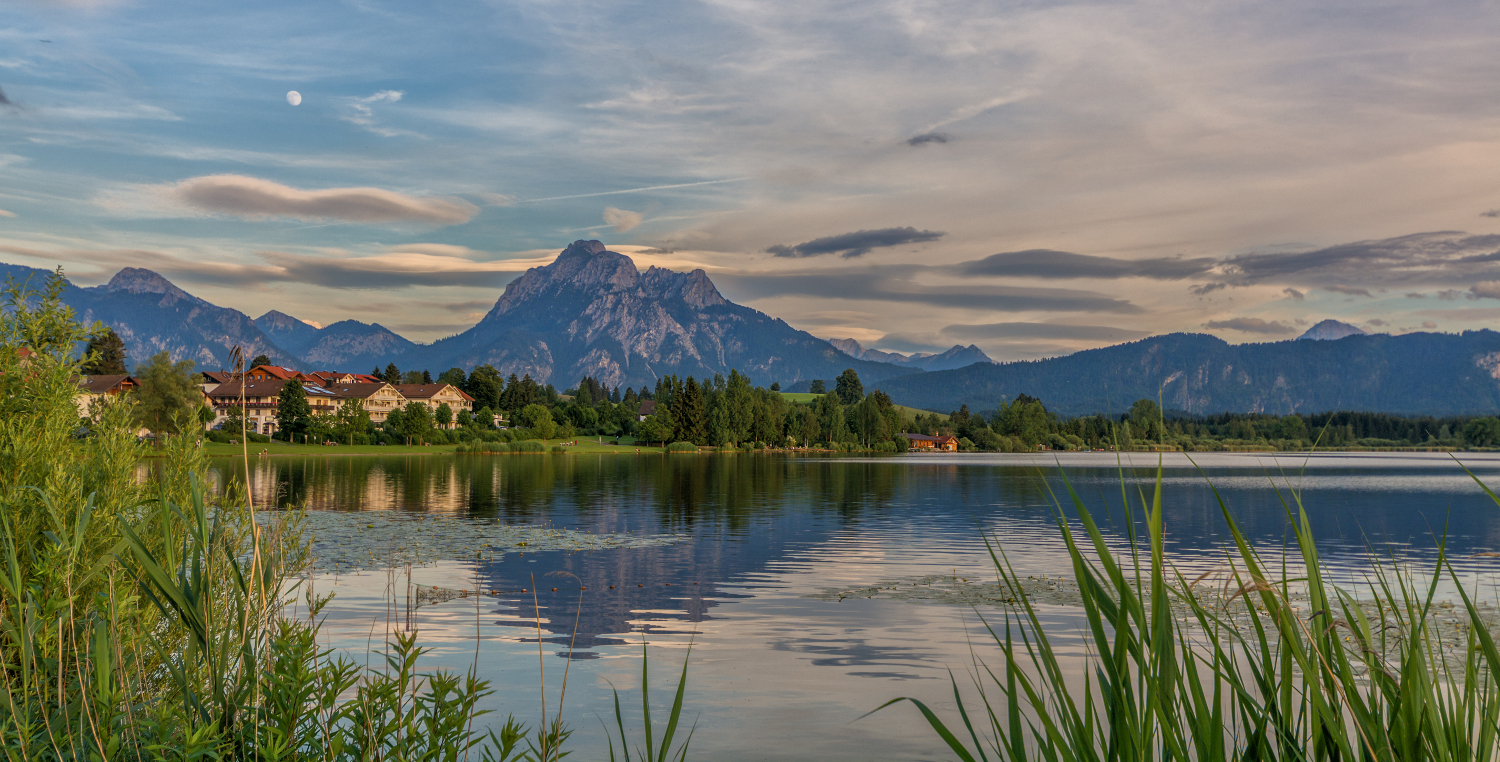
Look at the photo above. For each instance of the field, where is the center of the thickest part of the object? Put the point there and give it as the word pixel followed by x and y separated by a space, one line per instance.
pixel 808 397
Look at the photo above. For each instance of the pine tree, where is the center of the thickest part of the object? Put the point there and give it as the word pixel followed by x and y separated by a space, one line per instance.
pixel 426 377
pixel 108 355
pixel 689 417
pixel 293 414
pixel 392 374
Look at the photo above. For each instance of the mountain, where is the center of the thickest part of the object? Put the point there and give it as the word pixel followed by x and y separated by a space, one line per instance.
pixel 956 357
pixel 347 345
pixel 1415 373
pixel 1331 330
pixel 592 313
pixel 151 315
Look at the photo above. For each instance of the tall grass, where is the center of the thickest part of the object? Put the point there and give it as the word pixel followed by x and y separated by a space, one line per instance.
pixel 1359 675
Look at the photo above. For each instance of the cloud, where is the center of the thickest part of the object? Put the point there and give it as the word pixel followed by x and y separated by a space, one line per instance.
pixel 1444 257
pixel 1489 289
pixel 1377 322
pixel 4 213
pixel 252 197
pixel 984 331
pixel 5 101
pixel 895 285
pixel 1350 290
pixel 1416 295
pixel 364 113
pixel 1450 294
pixel 856 244
pixel 1429 325
pixel 1046 263
pixel 1490 213
pixel 389 271
pixel 623 220
pixel 928 137
pixel 1294 294
pixel 1207 288
pixel 1250 325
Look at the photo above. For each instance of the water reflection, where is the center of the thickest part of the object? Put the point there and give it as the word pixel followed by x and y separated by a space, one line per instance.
pixel 766 531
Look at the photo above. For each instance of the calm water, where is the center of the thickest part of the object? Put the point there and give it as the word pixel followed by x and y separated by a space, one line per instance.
pixel 776 674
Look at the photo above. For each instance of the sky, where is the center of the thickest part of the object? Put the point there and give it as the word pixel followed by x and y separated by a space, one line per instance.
pixel 1031 177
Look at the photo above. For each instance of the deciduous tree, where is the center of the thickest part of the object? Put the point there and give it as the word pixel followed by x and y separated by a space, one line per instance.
pixel 168 397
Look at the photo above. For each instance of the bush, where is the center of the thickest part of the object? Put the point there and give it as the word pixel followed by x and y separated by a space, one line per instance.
pixel 214 435
pixel 558 448
pixel 682 447
pixel 528 445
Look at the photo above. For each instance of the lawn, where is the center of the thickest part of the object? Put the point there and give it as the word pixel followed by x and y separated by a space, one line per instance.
pixel 808 397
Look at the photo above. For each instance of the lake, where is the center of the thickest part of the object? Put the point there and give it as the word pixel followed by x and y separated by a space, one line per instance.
pixel 759 561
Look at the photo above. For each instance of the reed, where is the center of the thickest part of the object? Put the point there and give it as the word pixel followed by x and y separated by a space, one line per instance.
pixel 1181 670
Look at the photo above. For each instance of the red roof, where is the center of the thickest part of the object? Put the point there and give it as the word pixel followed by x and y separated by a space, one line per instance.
pixel 925 438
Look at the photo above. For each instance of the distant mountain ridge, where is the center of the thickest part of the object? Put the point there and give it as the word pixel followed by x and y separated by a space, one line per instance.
pixel 1415 373
pixel 955 357
pixel 151 314
pixel 591 312
pixel 347 345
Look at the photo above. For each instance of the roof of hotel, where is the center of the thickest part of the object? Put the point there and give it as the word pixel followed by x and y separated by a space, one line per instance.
pixel 265 389
pixel 361 390
pixel 428 391
pixel 102 384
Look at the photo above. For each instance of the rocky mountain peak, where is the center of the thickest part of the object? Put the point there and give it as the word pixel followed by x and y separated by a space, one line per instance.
pixel 276 319
pixel 138 280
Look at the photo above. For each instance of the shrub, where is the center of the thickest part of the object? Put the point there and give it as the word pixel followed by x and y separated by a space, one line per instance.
pixel 528 445
pixel 559 448
pixel 682 447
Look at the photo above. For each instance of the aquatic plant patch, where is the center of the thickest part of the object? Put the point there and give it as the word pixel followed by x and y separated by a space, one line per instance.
pixel 343 541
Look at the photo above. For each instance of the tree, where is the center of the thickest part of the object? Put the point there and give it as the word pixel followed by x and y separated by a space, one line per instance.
pixel 105 355
pixel 351 420
pixel 260 359
pixel 654 429
pixel 688 414
pixel 443 415
pixel 416 421
pixel 484 417
pixel 818 387
pixel 1146 420
pixel 464 418
pixel 454 376
pixel 293 414
pixel 536 419
pixel 234 421
pixel 848 388
pixel 426 377
pixel 168 396
pixel 414 377
pixel 1482 432
pixel 485 385
pixel 392 374
pixel 775 386
pixel 739 406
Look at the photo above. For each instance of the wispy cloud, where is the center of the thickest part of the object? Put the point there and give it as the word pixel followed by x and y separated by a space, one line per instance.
pixel 1046 263
pixel 252 197
pixel 856 244
pixel 362 113
pixel 1251 325
pixel 621 219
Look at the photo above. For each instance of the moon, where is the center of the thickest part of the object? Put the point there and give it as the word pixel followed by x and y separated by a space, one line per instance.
pixel 293 97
